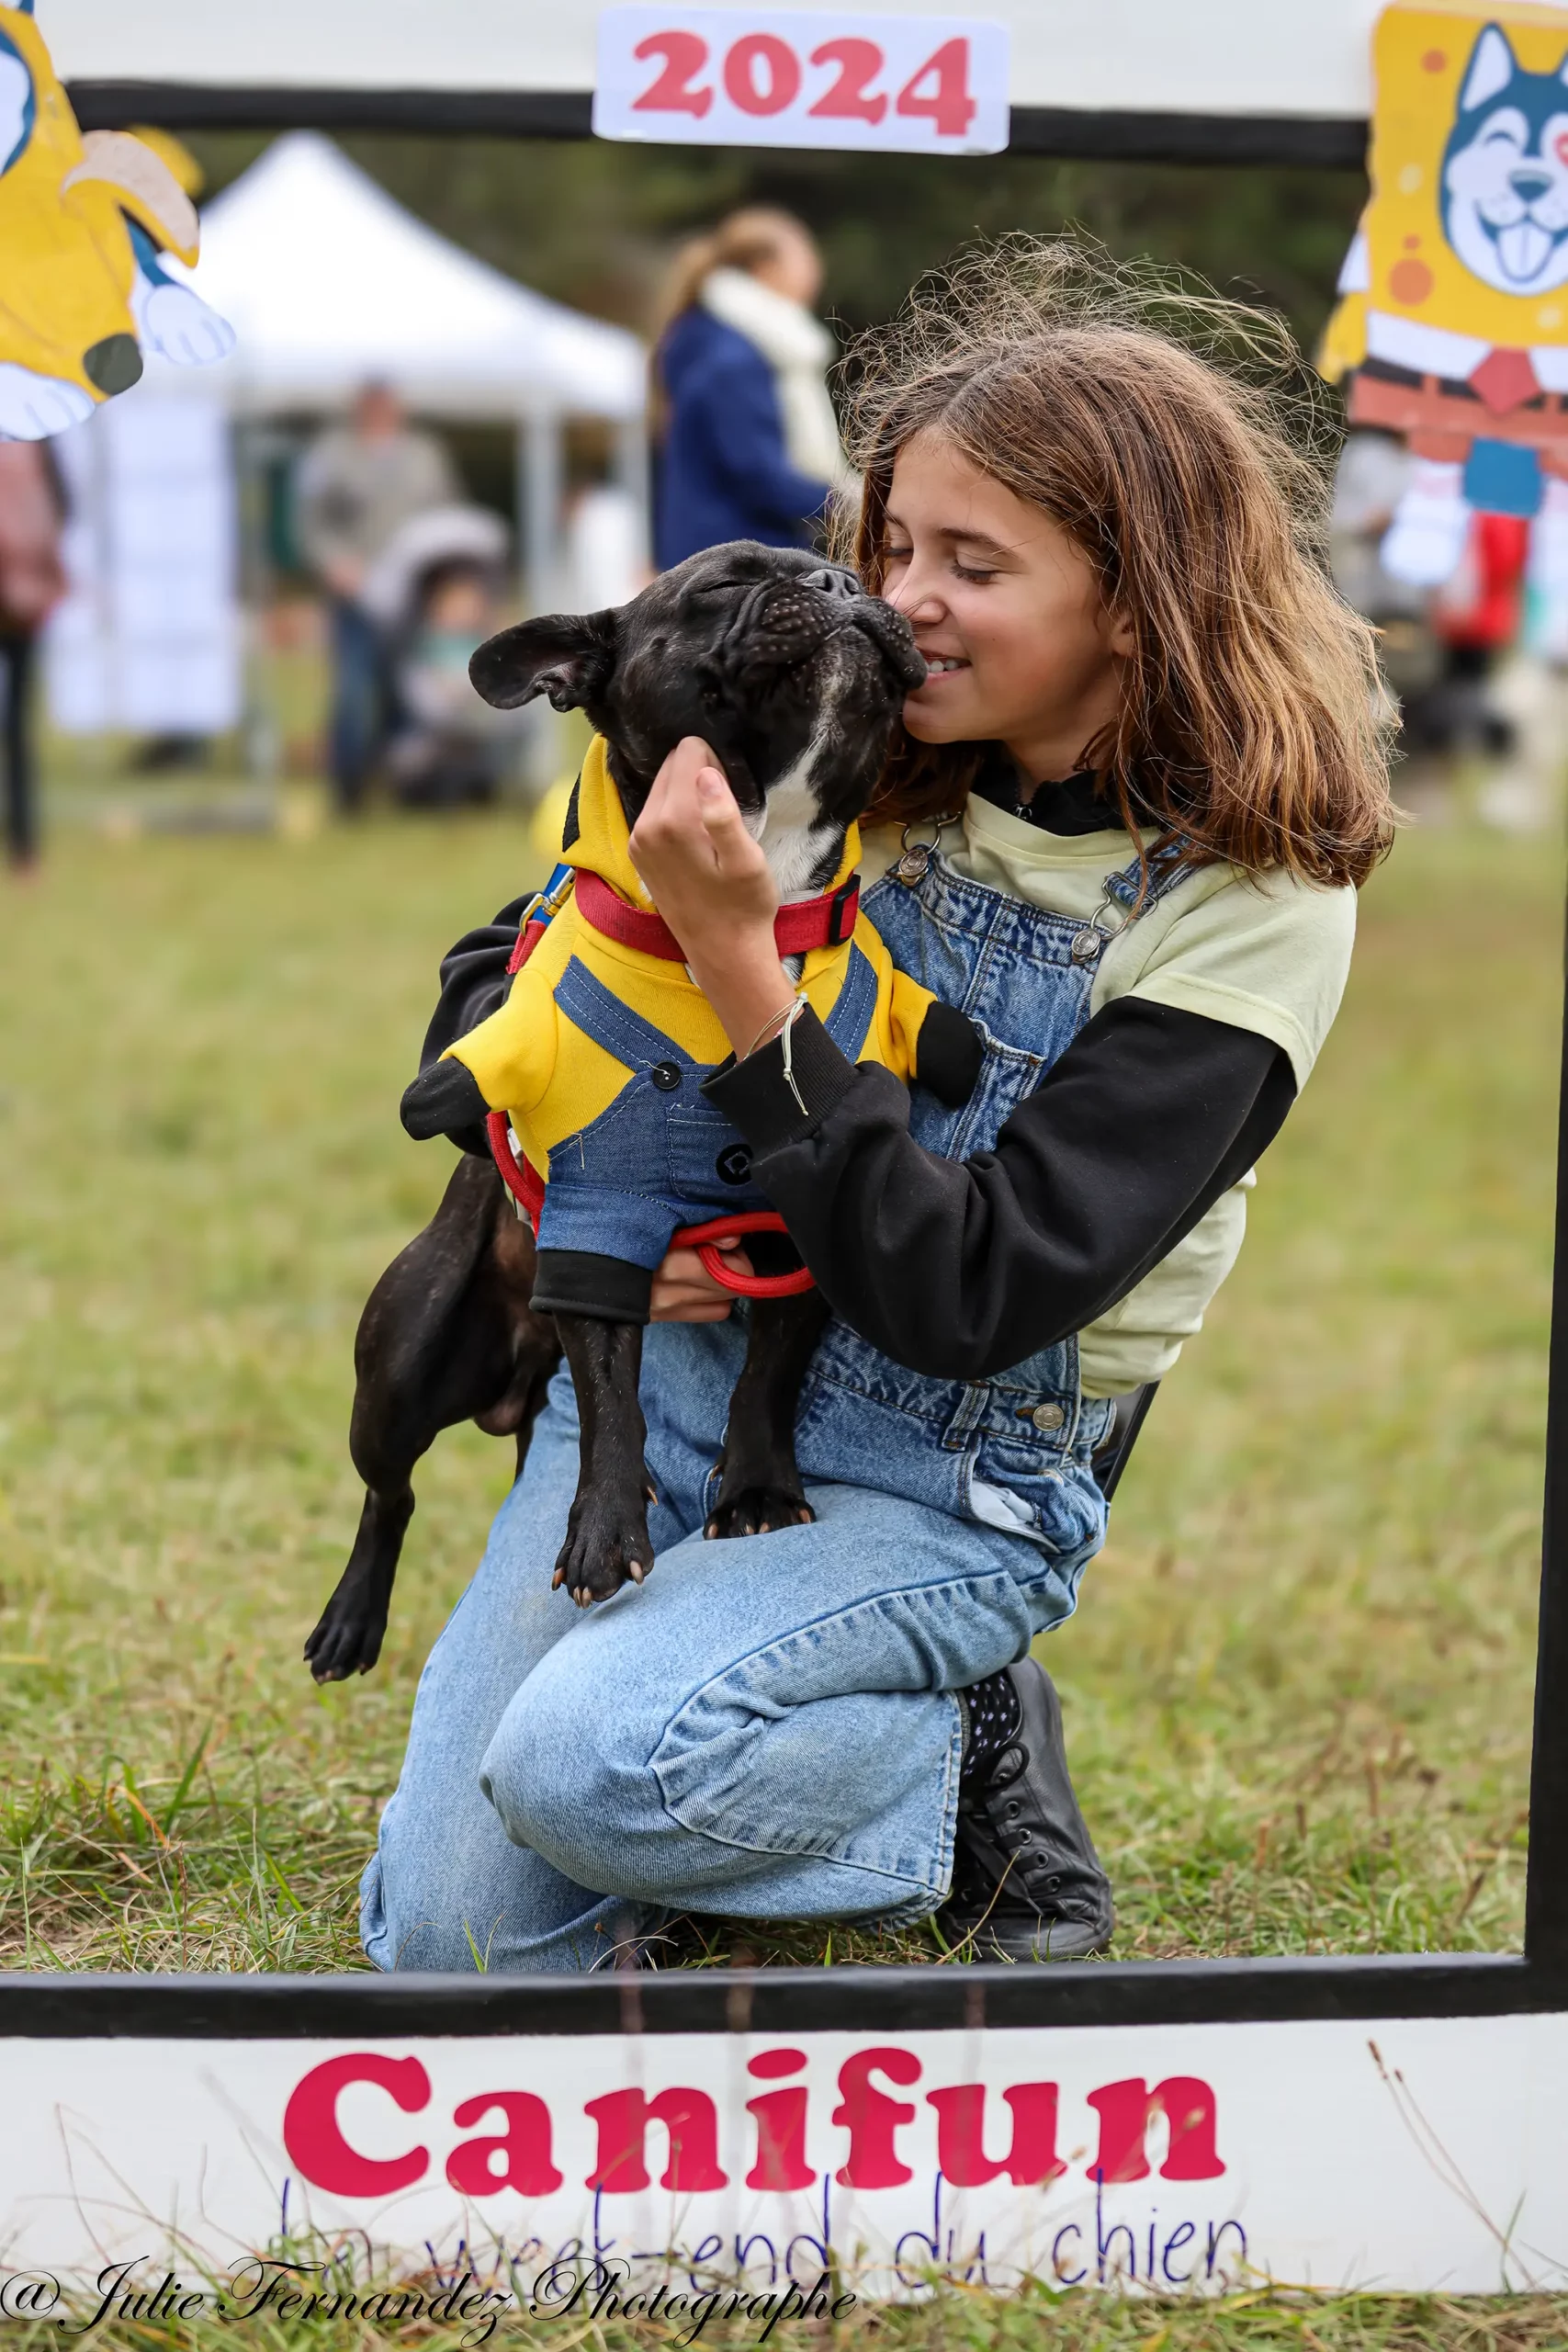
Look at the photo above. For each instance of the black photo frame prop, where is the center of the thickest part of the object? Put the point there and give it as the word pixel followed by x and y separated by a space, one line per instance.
pixel 373 2012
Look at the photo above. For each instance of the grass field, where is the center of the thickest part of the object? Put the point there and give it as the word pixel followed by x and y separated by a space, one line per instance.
pixel 1298 1690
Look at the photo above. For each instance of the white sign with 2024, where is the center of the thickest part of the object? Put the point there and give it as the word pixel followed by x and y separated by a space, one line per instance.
pixel 735 77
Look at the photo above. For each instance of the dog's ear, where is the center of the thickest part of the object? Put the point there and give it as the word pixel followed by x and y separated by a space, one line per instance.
pixel 567 656
pixel 1491 69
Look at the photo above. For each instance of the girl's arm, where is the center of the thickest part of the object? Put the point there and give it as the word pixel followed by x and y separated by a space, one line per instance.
pixel 959 1269
pixel 962 1268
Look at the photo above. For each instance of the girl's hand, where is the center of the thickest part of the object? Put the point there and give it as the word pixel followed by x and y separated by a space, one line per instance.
pixel 715 889
pixel 684 1290
pixel 708 877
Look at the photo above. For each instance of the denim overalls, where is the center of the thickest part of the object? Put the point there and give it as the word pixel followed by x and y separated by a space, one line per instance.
pixel 1011 1451
pixel 766 1728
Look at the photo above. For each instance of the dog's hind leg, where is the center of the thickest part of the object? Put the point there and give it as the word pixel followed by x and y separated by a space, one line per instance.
pixel 446 1336
pixel 502 1285
pixel 347 1637
pixel 760 1488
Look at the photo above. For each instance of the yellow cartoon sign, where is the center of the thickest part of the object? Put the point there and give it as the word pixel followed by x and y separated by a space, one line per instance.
pixel 1451 329
pixel 82 222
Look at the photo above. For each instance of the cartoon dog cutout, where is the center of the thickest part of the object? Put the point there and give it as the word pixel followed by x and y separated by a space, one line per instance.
pixel 1504 188
pixel 1452 322
pixel 82 224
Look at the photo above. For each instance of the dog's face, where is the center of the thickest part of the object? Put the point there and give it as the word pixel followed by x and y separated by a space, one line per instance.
pixel 1505 172
pixel 778 660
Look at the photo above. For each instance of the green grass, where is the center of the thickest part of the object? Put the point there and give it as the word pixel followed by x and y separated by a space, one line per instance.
pixel 1298 1688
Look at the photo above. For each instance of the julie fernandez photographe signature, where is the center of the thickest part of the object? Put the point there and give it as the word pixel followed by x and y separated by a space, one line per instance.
pixel 262 2287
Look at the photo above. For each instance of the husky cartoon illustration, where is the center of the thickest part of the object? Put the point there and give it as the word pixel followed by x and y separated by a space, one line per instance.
pixel 1504 183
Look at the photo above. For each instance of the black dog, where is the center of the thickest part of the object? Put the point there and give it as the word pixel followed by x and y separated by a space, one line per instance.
pixel 795 676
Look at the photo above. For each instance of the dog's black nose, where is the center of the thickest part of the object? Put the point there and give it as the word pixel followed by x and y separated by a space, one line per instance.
pixel 1528 184
pixel 832 582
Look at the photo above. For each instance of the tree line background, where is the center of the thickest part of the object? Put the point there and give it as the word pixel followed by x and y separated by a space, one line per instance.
pixel 595 224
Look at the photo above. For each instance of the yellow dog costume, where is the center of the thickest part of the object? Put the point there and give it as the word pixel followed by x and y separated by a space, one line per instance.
pixel 599 1054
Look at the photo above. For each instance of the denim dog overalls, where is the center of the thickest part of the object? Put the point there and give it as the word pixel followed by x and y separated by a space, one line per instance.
pixel 599 1053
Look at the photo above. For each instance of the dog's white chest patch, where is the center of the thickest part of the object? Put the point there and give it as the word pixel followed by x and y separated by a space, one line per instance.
pixel 795 841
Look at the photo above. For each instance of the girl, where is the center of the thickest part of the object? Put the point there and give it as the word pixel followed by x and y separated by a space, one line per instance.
pixel 1139 788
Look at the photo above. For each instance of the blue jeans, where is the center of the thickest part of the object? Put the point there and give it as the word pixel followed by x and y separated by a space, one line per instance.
pixel 765 1729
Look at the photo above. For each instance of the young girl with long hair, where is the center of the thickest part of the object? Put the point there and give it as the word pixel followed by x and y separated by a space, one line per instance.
pixel 1139 788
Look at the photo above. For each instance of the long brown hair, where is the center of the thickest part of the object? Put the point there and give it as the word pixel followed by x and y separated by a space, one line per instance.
pixel 1175 436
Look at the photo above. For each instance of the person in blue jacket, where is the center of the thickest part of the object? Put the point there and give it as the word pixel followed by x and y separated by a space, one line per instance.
pixel 749 446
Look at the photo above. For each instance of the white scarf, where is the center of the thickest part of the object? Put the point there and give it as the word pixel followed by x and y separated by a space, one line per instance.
pixel 798 348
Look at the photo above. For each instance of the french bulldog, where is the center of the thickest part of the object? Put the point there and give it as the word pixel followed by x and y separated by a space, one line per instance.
pixel 795 676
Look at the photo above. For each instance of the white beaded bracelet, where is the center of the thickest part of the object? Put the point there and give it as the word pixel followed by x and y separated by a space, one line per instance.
pixel 779 1024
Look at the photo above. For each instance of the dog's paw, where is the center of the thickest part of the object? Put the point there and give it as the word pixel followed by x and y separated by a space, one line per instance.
pixel 607 1544
pixel 757 1511
pixel 348 1640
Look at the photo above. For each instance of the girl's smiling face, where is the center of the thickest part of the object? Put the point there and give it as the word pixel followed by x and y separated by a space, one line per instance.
pixel 1007 610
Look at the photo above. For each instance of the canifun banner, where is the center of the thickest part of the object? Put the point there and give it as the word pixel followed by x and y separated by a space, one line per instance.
pixel 1409 2154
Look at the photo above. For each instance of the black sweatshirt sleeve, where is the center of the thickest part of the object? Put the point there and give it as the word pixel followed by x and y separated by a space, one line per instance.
pixel 961 1267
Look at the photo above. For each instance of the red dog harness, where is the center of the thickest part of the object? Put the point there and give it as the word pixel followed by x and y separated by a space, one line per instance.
pixel 812 922
pixel 797 928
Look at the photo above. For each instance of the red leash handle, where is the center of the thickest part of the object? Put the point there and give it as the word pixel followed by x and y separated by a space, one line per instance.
pixel 702 1238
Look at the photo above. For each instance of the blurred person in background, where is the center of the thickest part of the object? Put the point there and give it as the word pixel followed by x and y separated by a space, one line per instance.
pixel 32 581
pixel 434 594
pixel 1372 476
pixel 747 441
pixel 1476 616
pixel 359 482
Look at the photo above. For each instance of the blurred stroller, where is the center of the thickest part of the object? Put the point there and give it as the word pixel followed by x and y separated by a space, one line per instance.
pixel 436 592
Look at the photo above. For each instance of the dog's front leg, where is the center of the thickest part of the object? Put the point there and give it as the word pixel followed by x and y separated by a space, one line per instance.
pixel 606 1534
pixel 760 1488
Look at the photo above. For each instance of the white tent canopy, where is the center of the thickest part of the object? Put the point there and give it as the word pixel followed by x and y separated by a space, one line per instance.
pixel 327 281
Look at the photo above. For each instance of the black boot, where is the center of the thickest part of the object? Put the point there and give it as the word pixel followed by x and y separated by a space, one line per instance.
pixel 1027 1882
